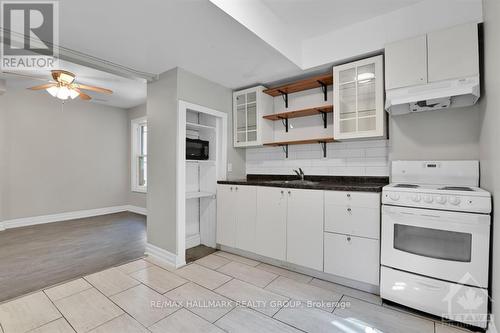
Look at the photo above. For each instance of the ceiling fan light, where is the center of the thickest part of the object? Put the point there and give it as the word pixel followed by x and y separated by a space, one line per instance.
pixel 53 91
pixel 73 93
pixel 63 93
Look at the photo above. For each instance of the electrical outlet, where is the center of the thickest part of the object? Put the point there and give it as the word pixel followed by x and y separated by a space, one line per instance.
pixel 229 167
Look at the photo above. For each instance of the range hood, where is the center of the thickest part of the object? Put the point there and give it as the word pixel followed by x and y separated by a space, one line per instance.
pixel 433 96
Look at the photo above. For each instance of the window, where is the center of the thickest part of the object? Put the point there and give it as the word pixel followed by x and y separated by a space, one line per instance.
pixel 139 154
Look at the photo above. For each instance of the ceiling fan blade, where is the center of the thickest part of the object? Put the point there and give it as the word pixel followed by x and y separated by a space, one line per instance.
pixel 27 76
pixel 92 88
pixel 84 96
pixel 43 86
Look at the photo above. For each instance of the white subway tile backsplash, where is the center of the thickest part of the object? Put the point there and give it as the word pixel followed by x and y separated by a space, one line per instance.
pixel 358 158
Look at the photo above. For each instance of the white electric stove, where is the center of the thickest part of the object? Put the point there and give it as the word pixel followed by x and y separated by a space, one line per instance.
pixel 435 239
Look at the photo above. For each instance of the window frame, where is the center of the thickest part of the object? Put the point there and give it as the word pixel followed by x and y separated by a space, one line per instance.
pixel 135 154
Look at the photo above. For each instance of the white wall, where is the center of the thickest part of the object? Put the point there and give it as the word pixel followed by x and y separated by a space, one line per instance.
pixel 490 136
pixel 195 89
pixel 162 163
pixel 3 155
pixel 163 96
pixel 61 160
pixel 440 135
pixel 134 198
pixel 361 158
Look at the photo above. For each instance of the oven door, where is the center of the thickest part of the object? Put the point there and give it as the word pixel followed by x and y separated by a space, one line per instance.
pixel 439 244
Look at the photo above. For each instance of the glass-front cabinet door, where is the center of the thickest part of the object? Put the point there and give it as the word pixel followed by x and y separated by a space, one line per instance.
pixel 249 107
pixel 359 99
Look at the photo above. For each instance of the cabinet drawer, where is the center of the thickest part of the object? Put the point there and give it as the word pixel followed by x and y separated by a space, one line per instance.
pixel 433 296
pixel 358 199
pixel 353 220
pixel 352 257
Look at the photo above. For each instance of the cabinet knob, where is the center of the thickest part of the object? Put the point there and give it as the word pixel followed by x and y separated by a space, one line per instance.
pixel 349 209
pixel 348 195
pixel 231 188
pixel 236 188
pixel 289 192
pixel 348 238
pixel 282 191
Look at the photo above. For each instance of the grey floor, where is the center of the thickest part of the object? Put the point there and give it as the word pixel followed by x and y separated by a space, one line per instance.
pixel 219 293
pixel 35 257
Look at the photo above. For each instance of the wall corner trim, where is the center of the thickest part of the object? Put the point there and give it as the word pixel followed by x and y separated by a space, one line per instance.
pixel 67 216
pixel 163 256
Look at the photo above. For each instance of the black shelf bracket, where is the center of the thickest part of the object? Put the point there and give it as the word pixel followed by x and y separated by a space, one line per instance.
pixel 323 88
pixel 284 121
pixel 323 147
pixel 285 97
pixel 324 117
pixel 285 150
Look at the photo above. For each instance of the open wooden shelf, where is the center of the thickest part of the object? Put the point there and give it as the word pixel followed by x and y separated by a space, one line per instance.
pixel 299 142
pixel 300 113
pixel 301 85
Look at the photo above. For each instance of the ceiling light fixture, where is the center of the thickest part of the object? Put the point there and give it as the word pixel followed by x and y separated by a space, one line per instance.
pixel 63 92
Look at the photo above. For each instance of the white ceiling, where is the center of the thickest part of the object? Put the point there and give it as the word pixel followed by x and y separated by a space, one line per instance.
pixel 309 18
pixel 157 35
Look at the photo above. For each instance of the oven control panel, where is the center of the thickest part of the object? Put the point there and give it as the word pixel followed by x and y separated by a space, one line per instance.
pixel 463 203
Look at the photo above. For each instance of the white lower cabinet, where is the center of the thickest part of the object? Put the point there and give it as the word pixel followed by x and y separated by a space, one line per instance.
pixel 305 228
pixel 351 257
pixel 226 215
pixel 270 230
pixel 246 216
pixel 236 216
pixel 330 231
pixel 353 213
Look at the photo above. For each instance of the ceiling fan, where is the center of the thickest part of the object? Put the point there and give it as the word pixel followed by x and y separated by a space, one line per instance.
pixel 64 86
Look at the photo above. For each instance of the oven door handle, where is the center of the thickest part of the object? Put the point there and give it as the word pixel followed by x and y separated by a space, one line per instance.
pixel 427 285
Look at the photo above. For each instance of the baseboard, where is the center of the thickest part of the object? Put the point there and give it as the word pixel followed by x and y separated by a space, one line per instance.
pixel 28 221
pixel 163 256
pixel 193 240
pixel 137 210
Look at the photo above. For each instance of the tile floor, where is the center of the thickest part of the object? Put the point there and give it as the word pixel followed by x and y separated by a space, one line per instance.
pixel 218 293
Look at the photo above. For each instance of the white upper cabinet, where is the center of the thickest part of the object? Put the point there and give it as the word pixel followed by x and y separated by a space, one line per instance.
pixel 406 63
pixel 249 128
pixel 359 99
pixel 453 53
pixel 440 55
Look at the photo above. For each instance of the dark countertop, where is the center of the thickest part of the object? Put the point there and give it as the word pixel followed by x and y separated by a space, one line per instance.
pixel 331 183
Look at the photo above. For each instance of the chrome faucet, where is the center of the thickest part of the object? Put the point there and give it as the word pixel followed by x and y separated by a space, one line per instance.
pixel 300 173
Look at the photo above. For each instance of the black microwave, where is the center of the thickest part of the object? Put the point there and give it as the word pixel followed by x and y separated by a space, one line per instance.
pixel 196 149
